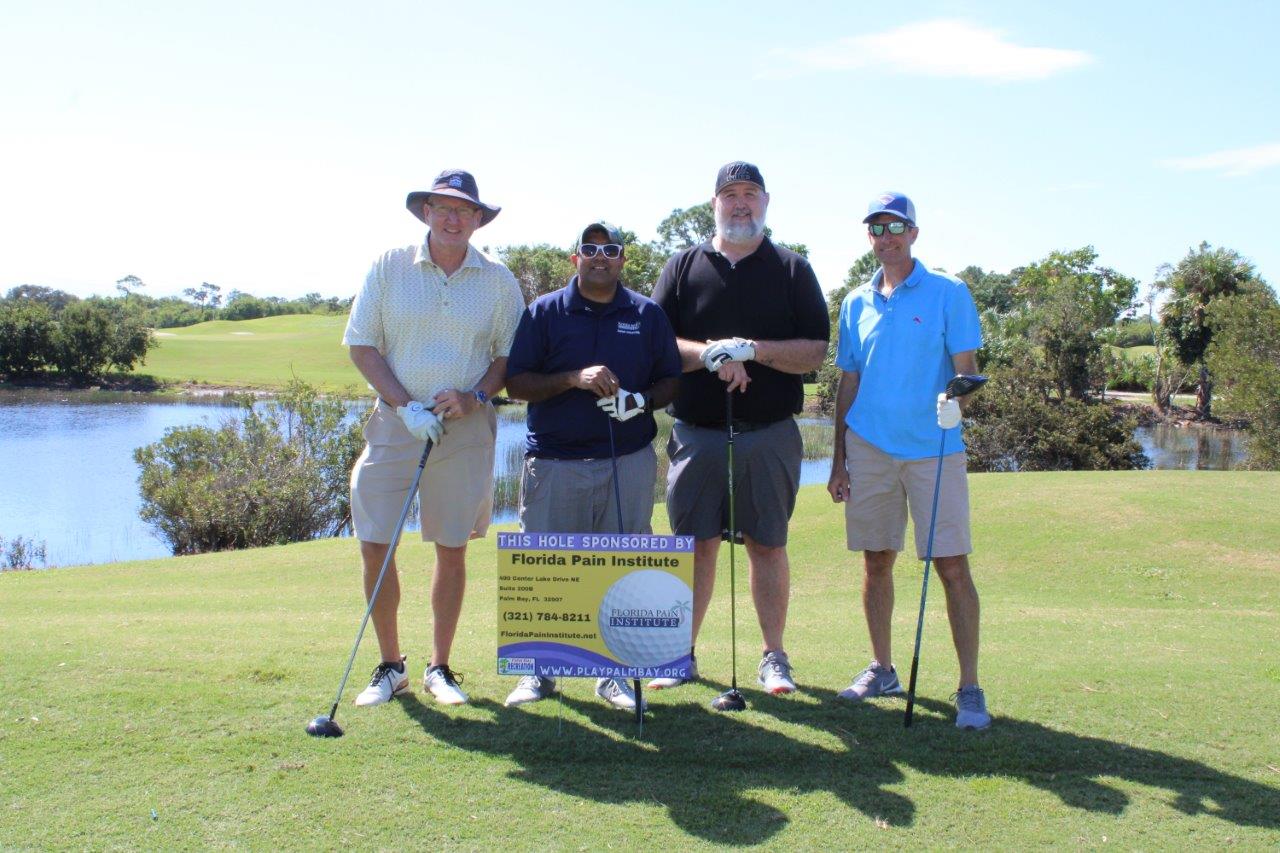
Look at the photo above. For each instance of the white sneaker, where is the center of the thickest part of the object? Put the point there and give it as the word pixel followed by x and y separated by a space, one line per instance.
pixel 617 692
pixel 668 683
pixel 775 673
pixel 442 683
pixel 386 682
pixel 531 688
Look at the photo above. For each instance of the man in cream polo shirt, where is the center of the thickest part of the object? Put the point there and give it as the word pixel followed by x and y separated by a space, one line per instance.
pixel 430 331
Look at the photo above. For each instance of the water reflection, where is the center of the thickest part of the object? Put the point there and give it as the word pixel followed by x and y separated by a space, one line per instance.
pixel 1192 447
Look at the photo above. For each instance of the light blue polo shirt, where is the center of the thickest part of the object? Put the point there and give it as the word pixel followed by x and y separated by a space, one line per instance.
pixel 901 349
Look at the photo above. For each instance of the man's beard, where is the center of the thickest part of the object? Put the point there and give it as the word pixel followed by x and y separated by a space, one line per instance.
pixel 740 232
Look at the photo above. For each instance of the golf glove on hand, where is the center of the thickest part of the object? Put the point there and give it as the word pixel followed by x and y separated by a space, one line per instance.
pixel 948 411
pixel 728 349
pixel 421 422
pixel 624 405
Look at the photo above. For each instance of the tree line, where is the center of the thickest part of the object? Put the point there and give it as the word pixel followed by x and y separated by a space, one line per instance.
pixel 45 330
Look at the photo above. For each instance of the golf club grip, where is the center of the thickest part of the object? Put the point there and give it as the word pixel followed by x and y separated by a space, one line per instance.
pixel 911 691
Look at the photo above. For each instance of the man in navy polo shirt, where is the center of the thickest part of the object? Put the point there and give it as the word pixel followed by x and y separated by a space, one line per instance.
pixel 903 335
pixel 592 358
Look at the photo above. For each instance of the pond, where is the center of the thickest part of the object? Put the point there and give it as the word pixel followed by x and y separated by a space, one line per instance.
pixel 67 475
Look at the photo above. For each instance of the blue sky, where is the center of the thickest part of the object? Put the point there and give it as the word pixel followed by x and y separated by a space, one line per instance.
pixel 268 147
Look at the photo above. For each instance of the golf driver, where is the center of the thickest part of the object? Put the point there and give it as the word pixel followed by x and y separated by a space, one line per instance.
pixel 617 499
pixel 959 386
pixel 731 699
pixel 323 726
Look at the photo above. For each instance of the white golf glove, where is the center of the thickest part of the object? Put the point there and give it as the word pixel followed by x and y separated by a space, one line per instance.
pixel 421 422
pixel 624 405
pixel 948 411
pixel 727 349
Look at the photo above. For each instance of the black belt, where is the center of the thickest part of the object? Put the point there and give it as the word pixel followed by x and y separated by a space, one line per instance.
pixel 739 426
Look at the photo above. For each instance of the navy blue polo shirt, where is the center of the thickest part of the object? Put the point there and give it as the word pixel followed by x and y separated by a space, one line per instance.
pixel 562 331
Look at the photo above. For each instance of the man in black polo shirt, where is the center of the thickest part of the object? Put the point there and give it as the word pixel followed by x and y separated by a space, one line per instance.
pixel 749 319
pixel 591 358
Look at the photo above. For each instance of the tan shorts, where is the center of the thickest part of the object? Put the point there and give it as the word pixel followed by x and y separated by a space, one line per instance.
pixel 881 487
pixel 455 496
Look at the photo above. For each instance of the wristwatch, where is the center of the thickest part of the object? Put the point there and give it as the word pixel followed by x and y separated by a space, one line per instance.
pixel 481 397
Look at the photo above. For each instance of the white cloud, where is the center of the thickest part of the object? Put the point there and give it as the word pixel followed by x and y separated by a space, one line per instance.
pixel 940 48
pixel 1234 162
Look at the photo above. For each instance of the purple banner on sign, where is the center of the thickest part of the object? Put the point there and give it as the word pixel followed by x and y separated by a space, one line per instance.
pixel 559 660
pixel 595 542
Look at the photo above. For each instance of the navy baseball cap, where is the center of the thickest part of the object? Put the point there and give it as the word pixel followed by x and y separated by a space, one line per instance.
pixel 894 204
pixel 457 184
pixel 611 233
pixel 738 172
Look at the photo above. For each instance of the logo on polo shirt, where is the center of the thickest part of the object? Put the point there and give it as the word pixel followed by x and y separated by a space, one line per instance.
pixel 916 320
pixel 628 328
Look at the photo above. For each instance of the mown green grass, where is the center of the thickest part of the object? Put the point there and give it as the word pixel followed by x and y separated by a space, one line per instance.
pixel 1129 654
pixel 264 353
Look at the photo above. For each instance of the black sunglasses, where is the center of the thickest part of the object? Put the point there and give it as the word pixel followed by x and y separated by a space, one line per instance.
pixel 879 228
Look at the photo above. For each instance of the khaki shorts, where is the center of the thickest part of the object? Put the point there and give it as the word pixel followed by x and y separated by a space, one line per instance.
pixel 455 496
pixel 880 488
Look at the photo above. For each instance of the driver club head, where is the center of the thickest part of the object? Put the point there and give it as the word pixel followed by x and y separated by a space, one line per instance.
pixel 962 384
pixel 730 700
pixel 322 726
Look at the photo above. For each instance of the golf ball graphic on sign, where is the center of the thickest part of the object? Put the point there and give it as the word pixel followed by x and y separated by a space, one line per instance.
pixel 644 618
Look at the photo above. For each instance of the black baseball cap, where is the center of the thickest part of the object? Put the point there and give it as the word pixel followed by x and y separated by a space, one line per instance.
pixel 736 172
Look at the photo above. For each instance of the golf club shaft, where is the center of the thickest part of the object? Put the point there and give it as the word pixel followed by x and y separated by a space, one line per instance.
pixel 617 499
pixel 386 561
pixel 924 588
pixel 733 535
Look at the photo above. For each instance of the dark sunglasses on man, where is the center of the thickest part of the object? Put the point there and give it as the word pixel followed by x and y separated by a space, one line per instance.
pixel 878 228
pixel 609 250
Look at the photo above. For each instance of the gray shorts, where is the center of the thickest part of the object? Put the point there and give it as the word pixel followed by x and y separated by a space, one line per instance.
pixel 882 486
pixel 766 473
pixel 577 496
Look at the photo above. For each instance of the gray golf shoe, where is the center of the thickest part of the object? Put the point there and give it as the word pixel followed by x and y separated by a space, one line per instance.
pixel 618 693
pixel 668 683
pixel 971 708
pixel 775 673
pixel 531 688
pixel 875 680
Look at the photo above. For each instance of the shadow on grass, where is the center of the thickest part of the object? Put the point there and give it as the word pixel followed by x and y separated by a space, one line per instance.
pixel 703 766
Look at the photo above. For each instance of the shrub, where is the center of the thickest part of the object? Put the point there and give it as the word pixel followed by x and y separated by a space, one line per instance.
pixel 1245 355
pixel 276 474
pixel 26 335
pixel 20 554
pixel 1014 425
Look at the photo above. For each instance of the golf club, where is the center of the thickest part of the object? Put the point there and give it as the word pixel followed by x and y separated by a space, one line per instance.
pixel 731 699
pixel 959 386
pixel 617 499
pixel 323 726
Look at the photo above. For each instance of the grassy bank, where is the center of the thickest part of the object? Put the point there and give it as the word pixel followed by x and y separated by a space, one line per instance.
pixel 264 353
pixel 1129 655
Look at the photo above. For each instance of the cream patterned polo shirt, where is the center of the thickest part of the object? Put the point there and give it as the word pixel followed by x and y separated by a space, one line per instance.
pixel 435 331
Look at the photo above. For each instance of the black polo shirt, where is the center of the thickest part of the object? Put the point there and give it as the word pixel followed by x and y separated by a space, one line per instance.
pixel 772 294
pixel 562 331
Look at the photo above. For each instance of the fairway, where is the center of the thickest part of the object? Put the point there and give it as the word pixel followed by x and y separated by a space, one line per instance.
pixel 263 353
pixel 1130 650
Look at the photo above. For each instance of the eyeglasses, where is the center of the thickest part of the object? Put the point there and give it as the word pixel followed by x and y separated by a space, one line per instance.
pixel 609 250
pixel 462 211
pixel 879 228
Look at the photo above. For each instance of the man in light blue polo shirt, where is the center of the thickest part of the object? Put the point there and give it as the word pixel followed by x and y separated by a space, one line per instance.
pixel 903 335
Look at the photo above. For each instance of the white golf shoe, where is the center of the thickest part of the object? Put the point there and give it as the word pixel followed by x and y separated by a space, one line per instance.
pixel 442 683
pixel 617 692
pixel 387 681
pixel 530 688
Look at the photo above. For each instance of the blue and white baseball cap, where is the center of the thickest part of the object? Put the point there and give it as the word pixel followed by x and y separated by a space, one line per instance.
pixel 894 204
